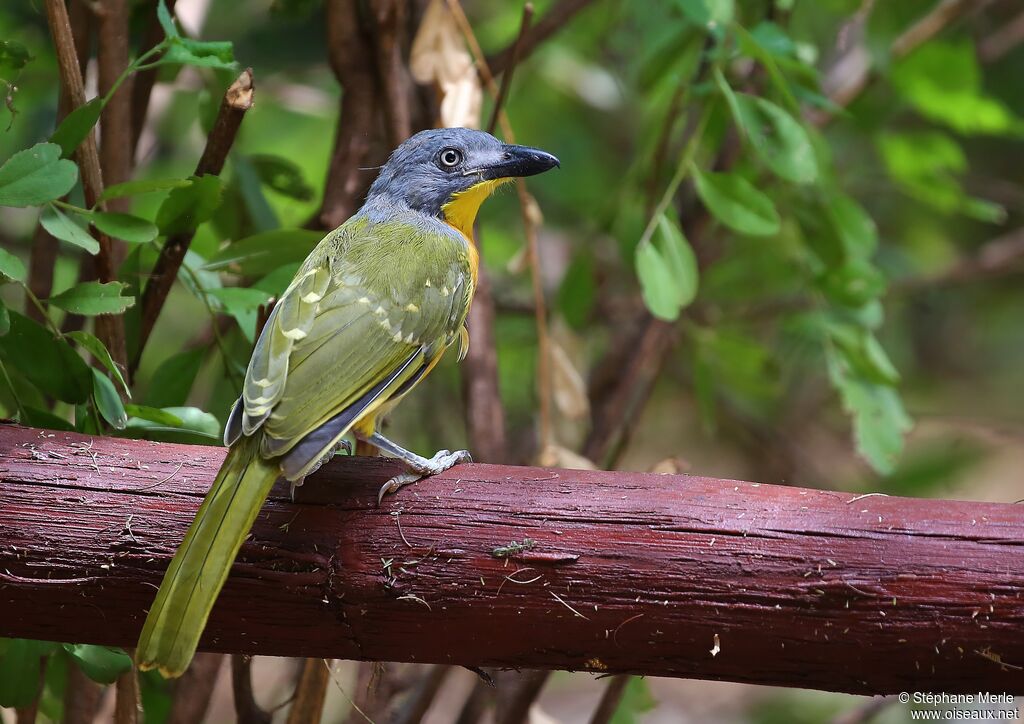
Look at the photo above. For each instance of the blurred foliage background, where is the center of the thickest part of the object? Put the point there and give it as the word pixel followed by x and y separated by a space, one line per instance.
pixel 785 244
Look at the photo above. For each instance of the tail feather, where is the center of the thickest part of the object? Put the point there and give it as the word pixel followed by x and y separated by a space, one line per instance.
pixel 197 573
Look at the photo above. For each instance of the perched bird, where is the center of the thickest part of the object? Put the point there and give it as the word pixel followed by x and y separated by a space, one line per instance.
pixel 367 316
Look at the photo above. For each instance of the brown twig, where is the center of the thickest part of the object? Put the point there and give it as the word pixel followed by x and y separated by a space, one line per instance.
pixel 237 100
pixel 480 697
pixel 419 701
pixel 82 697
pixel 506 79
pixel 142 87
pixel 194 690
pixel 109 327
pixel 851 74
pixel 1000 42
pixel 517 708
pixel 310 692
pixel 348 50
pixel 394 83
pixel 610 699
pixel 116 119
pixel 555 19
pixel 246 708
pixel 127 704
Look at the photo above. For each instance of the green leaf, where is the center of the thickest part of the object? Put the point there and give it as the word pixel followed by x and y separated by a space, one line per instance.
pixel 578 291
pixel 187 207
pixel 276 282
pixel 20 669
pixel 152 414
pixel 11 267
pixel 201 54
pixel 34 417
pixel 855 228
pixel 863 352
pixel 879 420
pixel 265 252
pixel 736 203
pixel 125 226
pixel 242 304
pixel 730 99
pixel 134 188
pixel 681 261
pixel 636 700
pixel 854 284
pixel 942 81
pixel 778 140
pixel 656 284
pixel 710 14
pixel 76 126
pixel 92 344
pixel 63 227
pixel 173 379
pixel 196 426
pixel 5 319
pixel 13 57
pixel 108 402
pixel 283 176
pixel 35 176
pixel 93 298
pixel 47 362
pixel 102 664
pixel 166 22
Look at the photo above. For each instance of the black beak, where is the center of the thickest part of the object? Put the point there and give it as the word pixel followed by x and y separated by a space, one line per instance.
pixel 519 161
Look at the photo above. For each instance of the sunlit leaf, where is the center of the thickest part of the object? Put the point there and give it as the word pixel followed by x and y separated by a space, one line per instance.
pixel 125 226
pixel 656 283
pixel 681 261
pixel 710 14
pixel 63 227
pixel 854 226
pixel 108 402
pixel 778 139
pixel 196 426
pixel 11 267
pixel 153 414
pixel 93 298
pixel 76 126
pixel 241 303
pixel 737 203
pixel 35 176
pixel 185 208
pixel 201 54
pixel 98 350
pixel 102 664
pixel 134 188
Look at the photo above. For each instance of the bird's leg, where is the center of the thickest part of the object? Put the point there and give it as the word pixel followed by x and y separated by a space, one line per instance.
pixel 418 465
pixel 343 445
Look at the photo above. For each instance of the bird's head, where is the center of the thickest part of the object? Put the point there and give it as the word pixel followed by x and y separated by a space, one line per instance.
pixel 448 172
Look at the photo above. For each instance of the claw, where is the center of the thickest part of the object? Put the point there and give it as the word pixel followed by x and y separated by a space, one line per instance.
pixel 442 460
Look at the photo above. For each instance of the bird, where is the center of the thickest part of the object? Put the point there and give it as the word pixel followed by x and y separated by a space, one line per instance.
pixel 366 317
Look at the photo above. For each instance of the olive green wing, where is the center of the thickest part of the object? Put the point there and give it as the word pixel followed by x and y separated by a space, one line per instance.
pixel 337 345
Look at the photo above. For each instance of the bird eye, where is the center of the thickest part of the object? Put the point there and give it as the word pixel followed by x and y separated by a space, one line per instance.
pixel 450 158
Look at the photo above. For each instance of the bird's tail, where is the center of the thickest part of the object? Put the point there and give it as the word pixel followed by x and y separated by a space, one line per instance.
pixel 194 579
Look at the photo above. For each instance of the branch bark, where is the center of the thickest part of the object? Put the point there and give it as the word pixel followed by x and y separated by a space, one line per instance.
pixel 109 327
pixel 237 100
pixel 628 572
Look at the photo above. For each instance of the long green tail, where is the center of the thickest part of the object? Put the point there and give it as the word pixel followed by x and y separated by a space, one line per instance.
pixel 194 579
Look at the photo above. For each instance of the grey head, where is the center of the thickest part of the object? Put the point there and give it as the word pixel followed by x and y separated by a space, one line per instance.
pixel 431 167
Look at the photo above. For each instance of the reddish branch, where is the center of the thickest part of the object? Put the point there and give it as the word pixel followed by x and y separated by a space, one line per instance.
pixel 109 327
pixel 556 18
pixel 621 572
pixel 237 100
pixel 142 87
pixel 116 120
pixel 349 49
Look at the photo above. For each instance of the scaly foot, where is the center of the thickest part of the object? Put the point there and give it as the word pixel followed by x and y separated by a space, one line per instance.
pixel 422 467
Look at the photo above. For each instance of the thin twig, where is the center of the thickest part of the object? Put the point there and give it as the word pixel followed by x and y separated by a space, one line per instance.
pixel 556 18
pixel 116 119
pixel 610 699
pixel 310 692
pixel 246 708
pixel 237 100
pixel 109 327
pixel 145 79
pixel 194 690
pixel 82 697
pixel 415 707
pixel 128 704
pixel 517 708
pixel 506 79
